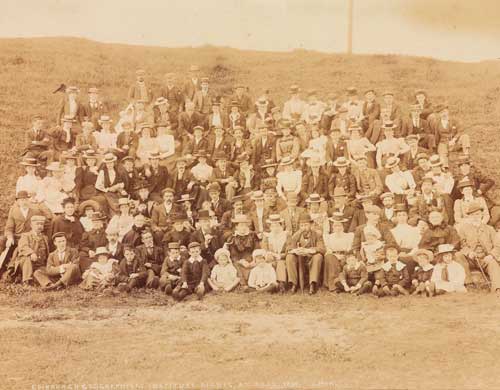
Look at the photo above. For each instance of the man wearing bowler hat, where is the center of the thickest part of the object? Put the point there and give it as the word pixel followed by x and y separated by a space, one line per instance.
pixel 304 257
pixel 193 84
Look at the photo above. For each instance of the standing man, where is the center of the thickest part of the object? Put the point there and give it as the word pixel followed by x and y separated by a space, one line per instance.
pixel 371 109
pixel 95 107
pixel 140 91
pixel 70 107
pixel 305 252
pixel 173 94
pixel 193 84
pixel 242 100
pixel 203 98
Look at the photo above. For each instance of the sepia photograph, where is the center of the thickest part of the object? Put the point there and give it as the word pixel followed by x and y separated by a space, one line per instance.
pixel 249 194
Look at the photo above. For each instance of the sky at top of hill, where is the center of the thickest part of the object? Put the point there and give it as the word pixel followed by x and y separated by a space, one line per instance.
pixel 460 30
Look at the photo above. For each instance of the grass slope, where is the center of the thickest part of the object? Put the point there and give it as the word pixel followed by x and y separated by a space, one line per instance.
pixel 30 69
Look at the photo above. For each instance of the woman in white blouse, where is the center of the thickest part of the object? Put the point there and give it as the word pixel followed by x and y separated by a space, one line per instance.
pixel 106 137
pixel 147 144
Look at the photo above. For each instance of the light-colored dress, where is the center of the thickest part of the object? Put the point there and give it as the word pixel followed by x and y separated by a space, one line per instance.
pixel 99 275
pixel 225 275
pixel 51 194
pixel 122 224
pixel 456 277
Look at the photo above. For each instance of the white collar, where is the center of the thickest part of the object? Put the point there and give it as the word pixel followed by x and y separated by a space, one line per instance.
pixel 399 266
pixel 193 259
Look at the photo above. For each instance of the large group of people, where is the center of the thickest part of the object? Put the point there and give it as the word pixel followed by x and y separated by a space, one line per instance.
pixel 191 192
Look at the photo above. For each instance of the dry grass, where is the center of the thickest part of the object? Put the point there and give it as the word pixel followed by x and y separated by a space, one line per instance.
pixel 242 340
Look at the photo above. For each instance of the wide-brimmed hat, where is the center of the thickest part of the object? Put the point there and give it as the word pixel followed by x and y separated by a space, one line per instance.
pixel 294 89
pixel 98 216
pixel 274 218
pixel 392 162
pixel 338 217
pixel 109 158
pixel 241 218
pixel 257 195
pixel 161 100
pixel 29 162
pixel 445 248
pixel 93 90
pixel 124 202
pixel 86 204
pixel 54 166
pixel 104 119
pixel 287 160
pixel 179 217
pixel 341 162
pixel 194 68
pixel 90 154
pixel 435 161
pixel 102 250
pixel 464 183
pixel 185 198
pixel 314 198
pixel 425 252
pixel 154 155
pixel 351 91
pixel 269 162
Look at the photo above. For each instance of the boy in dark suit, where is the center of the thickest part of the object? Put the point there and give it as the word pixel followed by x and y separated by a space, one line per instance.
pixel 194 275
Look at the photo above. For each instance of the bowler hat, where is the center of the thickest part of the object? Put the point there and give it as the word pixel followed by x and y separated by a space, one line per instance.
pixel 305 218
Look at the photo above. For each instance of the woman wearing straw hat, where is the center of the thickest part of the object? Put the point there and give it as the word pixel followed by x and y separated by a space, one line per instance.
pixel 106 137
pixel 51 192
pixel 31 181
pixel 448 275
pixel 274 242
pixel 289 179
pixel 109 184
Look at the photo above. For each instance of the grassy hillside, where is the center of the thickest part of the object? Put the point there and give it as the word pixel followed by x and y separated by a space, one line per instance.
pixel 30 69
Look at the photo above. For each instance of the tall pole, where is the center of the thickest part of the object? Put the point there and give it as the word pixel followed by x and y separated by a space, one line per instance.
pixel 349 27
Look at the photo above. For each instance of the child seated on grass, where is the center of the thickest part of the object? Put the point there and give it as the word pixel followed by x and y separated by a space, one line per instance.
pixel 371 245
pixel 421 283
pixel 262 277
pixel 194 275
pixel 101 273
pixel 353 278
pixel 170 274
pixel 132 273
pixel 224 276
pixel 448 275
pixel 394 279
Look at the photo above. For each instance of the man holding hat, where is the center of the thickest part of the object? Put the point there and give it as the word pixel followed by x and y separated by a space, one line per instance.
pixel 305 252
pixel 343 178
pixel 140 90
pixel 69 107
pixel 32 251
pixel 63 268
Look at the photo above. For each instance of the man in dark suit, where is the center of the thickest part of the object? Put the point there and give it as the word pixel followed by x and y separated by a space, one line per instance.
pixel 203 98
pixel 161 215
pixel 264 146
pixel 219 205
pixel 291 213
pixel 193 84
pixel 315 180
pixel 94 108
pixel 414 124
pixel 335 148
pixel 37 139
pixel 209 238
pixel 140 90
pixel 151 256
pixel 157 177
pixel 173 94
pixel 371 109
pixel 68 224
pixel 242 99
pixel 63 268
pixel 188 120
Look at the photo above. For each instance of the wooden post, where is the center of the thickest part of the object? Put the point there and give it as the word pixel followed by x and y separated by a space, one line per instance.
pixel 349 27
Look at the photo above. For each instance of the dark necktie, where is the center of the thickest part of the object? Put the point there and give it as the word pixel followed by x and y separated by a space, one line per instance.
pixel 444 274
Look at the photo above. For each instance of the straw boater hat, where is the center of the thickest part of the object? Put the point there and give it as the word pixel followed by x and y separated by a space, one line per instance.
pixel 185 198
pixel 338 217
pixel 98 216
pixel 154 155
pixel 241 218
pixel 274 218
pixel 201 153
pixel 102 251
pixel 89 154
pixel 29 162
pixel 93 90
pixel 104 119
pixel 109 158
pixel 269 162
pixel 294 89
pixel 88 204
pixel 287 160
pixel 386 195
pixel 445 248
pixel 425 252
pixel 351 91
pixel 435 161
pixel 54 166
pixel 341 162
pixel 392 162
pixel 160 101
pixel 314 198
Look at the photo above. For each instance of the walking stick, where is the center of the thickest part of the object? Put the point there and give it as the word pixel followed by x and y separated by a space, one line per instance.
pixel 482 272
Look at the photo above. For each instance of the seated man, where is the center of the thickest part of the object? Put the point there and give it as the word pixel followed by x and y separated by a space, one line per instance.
pixel 32 252
pixel 63 268
pixel 478 238
pixel 305 251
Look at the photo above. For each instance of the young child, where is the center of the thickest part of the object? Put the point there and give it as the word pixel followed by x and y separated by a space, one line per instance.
pixel 372 244
pixel 353 278
pixel 101 273
pixel 87 209
pixel 262 277
pixel 448 275
pixel 421 282
pixel 170 273
pixel 395 278
pixel 224 276
pixel 194 274
pixel 131 272
pixel 375 272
